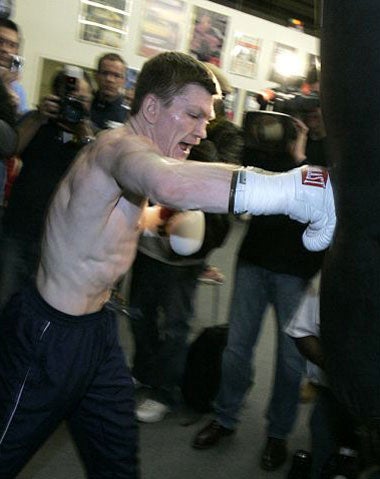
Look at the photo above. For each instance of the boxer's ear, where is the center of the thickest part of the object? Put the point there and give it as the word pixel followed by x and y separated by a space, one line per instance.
pixel 151 108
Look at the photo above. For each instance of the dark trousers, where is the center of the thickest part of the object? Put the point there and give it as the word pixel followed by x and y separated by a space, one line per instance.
pixel 162 306
pixel 55 366
pixel 331 427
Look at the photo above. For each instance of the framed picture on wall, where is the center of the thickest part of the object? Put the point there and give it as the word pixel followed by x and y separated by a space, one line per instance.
pixel 104 22
pixel 245 55
pixel 130 84
pixel 287 66
pixel 161 23
pixel 231 103
pixel 313 64
pixel 207 35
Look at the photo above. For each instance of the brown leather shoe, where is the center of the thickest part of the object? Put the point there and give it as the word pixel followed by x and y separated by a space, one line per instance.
pixel 210 435
pixel 274 454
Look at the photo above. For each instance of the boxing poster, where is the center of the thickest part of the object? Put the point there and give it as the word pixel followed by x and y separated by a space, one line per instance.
pixel 208 35
pixel 245 55
pixel 104 23
pixel 160 30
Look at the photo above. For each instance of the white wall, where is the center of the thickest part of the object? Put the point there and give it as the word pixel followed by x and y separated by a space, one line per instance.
pixel 50 30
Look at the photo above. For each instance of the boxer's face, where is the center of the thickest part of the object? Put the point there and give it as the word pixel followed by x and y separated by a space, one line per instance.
pixel 183 124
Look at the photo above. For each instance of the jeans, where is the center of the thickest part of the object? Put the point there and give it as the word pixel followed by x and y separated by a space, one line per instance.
pixel 161 307
pixel 18 265
pixel 254 289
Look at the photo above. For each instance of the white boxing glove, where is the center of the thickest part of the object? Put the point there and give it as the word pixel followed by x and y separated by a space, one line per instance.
pixel 304 194
pixel 186 231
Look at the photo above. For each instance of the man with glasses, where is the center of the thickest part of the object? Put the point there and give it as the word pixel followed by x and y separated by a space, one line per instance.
pixel 109 108
pixel 9 48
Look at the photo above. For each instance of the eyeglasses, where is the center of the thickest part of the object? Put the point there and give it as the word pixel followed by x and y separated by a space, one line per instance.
pixel 5 42
pixel 106 73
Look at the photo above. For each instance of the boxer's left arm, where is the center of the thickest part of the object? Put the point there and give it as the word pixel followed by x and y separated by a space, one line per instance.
pixel 184 229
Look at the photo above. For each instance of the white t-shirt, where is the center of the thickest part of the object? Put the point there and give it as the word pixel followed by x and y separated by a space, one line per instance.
pixel 306 322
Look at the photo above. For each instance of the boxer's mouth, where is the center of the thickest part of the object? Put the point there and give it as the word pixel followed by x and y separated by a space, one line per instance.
pixel 186 147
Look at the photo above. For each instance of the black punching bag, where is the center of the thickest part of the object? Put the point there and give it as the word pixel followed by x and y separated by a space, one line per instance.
pixel 350 290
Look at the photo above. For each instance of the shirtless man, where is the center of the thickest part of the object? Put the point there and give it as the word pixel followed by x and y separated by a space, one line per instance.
pixel 59 354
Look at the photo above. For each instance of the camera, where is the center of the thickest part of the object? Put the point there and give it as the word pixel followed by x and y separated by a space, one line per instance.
pixel 268 131
pixel 289 102
pixel 15 63
pixel 72 110
pixel 296 103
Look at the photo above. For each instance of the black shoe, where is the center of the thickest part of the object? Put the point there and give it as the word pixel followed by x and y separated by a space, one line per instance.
pixel 210 435
pixel 274 454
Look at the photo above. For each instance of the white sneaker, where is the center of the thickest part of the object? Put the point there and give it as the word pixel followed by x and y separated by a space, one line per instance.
pixel 151 411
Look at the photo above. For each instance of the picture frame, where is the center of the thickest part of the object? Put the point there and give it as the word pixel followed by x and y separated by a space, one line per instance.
pixel 104 22
pixel 245 55
pixel 160 26
pixel 208 35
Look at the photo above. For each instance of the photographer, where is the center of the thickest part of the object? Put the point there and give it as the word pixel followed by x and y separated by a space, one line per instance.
pixel 8 135
pixel 11 63
pixel 273 268
pixel 50 137
pixel 109 108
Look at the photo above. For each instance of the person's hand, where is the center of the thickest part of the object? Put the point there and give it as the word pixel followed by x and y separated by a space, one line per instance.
pixel 83 131
pixel 49 107
pixel 14 98
pixel 297 147
pixel 7 76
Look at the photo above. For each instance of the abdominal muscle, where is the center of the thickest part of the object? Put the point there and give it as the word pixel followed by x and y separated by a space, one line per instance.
pixel 78 270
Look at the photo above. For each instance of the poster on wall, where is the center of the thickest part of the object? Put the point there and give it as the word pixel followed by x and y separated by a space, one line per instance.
pixel 161 23
pixel 104 21
pixel 245 55
pixel 287 66
pixel 208 35
pixel 130 84
pixel 313 65
pixel 231 104
pixel 250 101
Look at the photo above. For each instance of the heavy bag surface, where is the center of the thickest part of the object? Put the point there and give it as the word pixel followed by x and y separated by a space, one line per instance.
pixel 203 368
pixel 350 286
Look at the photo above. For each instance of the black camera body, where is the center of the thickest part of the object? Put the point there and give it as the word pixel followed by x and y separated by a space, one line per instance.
pixel 289 102
pixel 296 103
pixel 72 109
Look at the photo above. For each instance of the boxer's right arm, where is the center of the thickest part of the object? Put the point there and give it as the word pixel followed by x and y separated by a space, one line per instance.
pixel 304 194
